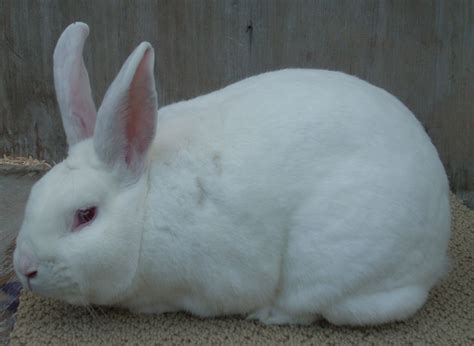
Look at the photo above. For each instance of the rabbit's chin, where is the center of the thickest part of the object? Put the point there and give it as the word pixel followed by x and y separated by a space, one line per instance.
pixel 70 295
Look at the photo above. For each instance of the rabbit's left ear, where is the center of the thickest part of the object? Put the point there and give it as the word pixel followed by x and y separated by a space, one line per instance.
pixel 72 84
pixel 126 119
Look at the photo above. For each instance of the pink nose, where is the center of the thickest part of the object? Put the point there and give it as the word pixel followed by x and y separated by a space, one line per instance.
pixel 31 274
pixel 27 265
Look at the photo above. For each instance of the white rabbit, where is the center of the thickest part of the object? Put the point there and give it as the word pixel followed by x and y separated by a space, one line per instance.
pixel 286 197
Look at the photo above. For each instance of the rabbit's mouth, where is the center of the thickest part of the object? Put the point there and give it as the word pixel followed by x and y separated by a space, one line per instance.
pixel 52 281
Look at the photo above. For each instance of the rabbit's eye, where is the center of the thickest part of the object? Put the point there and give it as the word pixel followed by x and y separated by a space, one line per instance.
pixel 84 217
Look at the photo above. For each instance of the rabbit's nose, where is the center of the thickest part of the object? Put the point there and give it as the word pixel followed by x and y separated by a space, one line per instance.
pixel 31 274
pixel 27 267
pixel 27 263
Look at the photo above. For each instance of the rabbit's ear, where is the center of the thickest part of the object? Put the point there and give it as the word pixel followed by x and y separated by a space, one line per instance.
pixel 72 84
pixel 127 117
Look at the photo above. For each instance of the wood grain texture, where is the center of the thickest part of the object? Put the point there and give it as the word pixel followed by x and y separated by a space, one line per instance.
pixel 421 51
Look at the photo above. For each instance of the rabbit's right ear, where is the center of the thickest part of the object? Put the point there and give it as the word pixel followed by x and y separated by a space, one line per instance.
pixel 72 84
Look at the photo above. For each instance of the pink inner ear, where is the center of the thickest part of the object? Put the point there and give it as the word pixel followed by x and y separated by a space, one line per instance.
pixel 82 108
pixel 127 116
pixel 84 127
pixel 140 127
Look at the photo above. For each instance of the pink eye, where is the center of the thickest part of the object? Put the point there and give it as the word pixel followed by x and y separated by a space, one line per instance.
pixel 84 217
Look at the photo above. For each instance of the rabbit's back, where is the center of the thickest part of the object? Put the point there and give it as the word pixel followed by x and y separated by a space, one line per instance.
pixel 296 126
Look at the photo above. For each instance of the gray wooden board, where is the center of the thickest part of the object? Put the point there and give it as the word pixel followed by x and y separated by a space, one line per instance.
pixel 421 51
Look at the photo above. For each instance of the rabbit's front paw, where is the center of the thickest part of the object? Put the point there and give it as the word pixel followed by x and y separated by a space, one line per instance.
pixel 273 315
pixel 154 309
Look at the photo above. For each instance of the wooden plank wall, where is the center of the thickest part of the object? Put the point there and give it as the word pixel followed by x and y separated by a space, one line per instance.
pixel 421 51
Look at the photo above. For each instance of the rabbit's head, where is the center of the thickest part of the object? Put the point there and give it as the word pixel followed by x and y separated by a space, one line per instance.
pixel 80 238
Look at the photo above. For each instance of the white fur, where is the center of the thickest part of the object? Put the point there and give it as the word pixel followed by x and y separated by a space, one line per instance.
pixel 72 84
pixel 285 197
